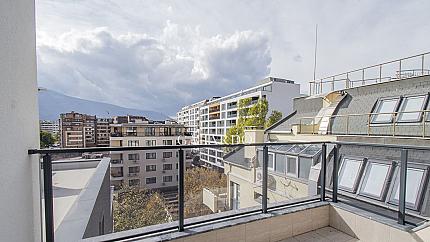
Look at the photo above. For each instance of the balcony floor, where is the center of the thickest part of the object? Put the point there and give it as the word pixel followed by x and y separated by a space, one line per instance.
pixel 326 234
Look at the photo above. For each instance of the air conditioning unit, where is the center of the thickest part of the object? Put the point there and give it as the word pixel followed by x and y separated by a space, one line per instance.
pixel 163 171
pixel 163 159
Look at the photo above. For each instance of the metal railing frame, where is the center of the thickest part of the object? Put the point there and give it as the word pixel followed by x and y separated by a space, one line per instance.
pixel 48 189
pixel 316 86
pixel 394 123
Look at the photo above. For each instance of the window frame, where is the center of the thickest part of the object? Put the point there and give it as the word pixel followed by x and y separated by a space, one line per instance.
pixel 296 174
pixel 377 104
pixel 387 180
pixel 171 167
pixel 171 178
pixel 150 170
pixel 273 161
pixel 423 106
pixel 147 157
pixel 146 180
pixel 421 191
pixel 359 174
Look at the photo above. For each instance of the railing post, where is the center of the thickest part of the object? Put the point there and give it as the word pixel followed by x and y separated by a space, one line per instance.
pixel 380 73
pixel 323 170
pixel 400 69
pixel 181 205
pixel 332 84
pixel 422 65
pixel 265 175
pixel 335 171
pixel 48 197
pixel 402 189
pixel 347 80
pixel 362 78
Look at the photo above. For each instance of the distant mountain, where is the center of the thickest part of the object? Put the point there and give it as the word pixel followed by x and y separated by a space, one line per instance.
pixel 52 103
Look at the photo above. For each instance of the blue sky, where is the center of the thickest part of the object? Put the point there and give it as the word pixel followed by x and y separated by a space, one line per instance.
pixel 161 55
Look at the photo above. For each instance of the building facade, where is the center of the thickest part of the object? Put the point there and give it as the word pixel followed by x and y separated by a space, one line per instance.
pixel 189 116
pixel 153 169
pixel 218 115
pixel 82 130
pixel 49 126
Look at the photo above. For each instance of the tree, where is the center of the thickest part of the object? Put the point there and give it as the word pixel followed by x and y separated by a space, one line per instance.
pixel 250 115
pixel 46 139
pixel 274 117
pixel 136 207
pixel 195 180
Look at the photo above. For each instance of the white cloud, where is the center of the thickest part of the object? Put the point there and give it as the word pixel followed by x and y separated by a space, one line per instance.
pixel 151 72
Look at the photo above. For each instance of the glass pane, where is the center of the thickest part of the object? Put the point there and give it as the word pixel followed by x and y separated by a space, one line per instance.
pixel 411 104
pixel 271 161
pixel 414 178
pixel 280 163
pixel 385 106
pixel 375 179
pixel 349 172
pixel 304 167
pixel 284 147
pixel 291 165
pixel 311 150
pixel 297 149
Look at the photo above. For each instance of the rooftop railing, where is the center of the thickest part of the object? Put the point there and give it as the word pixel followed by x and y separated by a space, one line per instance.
pixel 344 123
pixel 412 66
pixel 325 191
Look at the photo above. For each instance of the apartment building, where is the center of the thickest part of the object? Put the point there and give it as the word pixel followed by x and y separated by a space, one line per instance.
pixel 362 119
pixel 49 126
pixel 189 116
pixel 81 130
pixel 156 169
pixel 219 114
pixel 103 131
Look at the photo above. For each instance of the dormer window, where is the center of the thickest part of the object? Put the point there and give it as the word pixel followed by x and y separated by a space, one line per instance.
pixel 384 109
pixel 411 107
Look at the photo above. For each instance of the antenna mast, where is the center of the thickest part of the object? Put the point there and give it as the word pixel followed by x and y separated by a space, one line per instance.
pixel 315 50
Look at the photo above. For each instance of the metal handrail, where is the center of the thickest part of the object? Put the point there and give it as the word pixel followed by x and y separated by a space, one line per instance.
pixel 48 188
pixel 316 86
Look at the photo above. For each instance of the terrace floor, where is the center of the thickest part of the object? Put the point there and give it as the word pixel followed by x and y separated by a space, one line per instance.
pixel 326 234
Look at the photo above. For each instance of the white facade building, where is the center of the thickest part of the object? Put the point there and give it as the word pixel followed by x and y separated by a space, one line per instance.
pixel 218 115
pixel 49 126
pixel 189 116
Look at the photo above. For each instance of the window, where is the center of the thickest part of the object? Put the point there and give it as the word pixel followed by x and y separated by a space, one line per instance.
pixel 134 182
pixel 349 173
pixel 305 165
pixel 292 165
pixel 151 155
pixel 280 163
pixel 167 167
pixel 133 143
pixel 375 179
pixel 150 142
pixel 411 104
pixel 235 195
pixel 167 142
pixel 151 180
pixel 134 169
pixel 271 162
pixel 384 107
pixel 150 131
pixel 151 168
pixel 177 166
pixel 167 178
pixel 167 154
pixel 415 183
pixel 133 156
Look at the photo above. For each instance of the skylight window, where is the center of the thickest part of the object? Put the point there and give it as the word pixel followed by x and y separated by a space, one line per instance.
pixel 375 180
pixel 411 104
pixel 383 110
pixel 349 173
pixel 292 165
pixel 415 183
pixel 297 149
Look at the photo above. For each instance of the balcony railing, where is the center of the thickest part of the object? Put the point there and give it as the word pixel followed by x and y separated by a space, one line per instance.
pixel 412 66
pixel 324 192
pixel 341 124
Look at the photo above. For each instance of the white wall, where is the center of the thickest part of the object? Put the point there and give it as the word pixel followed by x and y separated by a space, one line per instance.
pixel 19 184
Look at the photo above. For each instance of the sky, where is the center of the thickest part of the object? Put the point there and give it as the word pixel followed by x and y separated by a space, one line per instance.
pixel 161 55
